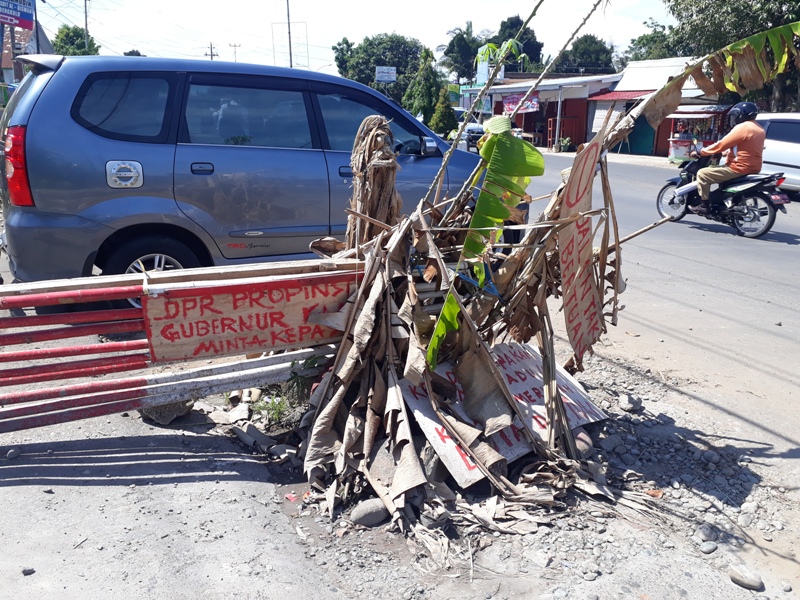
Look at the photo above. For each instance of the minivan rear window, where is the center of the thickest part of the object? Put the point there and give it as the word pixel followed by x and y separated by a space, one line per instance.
pixel 126 106
pixel 22 88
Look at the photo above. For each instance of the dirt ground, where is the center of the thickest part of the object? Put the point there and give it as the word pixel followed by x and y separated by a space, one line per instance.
pixel 116 507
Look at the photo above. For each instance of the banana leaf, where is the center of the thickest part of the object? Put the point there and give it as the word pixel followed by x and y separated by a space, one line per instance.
pixel 510 163
pixel 739 67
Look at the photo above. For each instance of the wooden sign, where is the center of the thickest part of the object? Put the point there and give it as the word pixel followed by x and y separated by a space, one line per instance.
pixel 190 322
pixel 583 305
pixel 509 442
pixel 521 366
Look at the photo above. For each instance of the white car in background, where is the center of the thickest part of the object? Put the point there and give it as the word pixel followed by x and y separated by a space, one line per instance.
pixel 782 148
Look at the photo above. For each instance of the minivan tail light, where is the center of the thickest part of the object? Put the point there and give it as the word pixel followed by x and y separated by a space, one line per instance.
pixel 19 188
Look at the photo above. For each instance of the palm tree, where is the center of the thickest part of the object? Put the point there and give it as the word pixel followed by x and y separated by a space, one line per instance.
pixel 459 53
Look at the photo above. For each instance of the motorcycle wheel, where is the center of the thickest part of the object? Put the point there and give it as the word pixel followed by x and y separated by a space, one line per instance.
pixel 753 216
pixel 668 205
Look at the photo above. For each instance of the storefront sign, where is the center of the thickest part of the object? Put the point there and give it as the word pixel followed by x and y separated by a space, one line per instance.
pixel 511 101
pixel 17 14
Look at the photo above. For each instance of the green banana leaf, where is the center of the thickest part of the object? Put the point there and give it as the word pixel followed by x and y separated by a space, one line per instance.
pixel 510 164
pixel 740 56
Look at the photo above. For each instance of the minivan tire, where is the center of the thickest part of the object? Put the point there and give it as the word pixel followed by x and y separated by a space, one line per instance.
pixel 172 253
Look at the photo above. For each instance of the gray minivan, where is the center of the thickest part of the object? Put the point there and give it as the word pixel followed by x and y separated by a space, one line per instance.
pixel 129 163
pixel 782 148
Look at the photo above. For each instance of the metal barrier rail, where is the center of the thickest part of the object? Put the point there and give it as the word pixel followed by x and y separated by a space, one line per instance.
pixel 35 388
pixel 82 401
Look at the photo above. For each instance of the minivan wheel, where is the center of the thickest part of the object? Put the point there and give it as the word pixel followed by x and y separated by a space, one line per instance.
pixel 151 253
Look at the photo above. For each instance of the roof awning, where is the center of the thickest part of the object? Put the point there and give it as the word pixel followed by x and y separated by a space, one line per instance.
pixel 699 111
pixel 628 95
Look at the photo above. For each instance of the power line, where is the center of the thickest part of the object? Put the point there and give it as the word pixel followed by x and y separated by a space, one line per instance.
pixel 234 46
pixel 211 54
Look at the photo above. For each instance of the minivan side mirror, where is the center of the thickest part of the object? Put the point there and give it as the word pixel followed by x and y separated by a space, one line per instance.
pixel 429 147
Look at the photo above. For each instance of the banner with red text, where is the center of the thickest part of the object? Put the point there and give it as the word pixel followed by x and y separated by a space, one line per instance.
pixel 248 317
pixel 583 305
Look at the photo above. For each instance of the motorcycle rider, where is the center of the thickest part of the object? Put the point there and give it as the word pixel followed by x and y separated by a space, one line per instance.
pixel 744 145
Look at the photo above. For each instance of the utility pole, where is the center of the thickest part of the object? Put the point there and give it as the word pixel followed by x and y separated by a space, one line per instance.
pixel 234 46
pixel 85 23
pixel 211 54
pixel 36 24
pixel 289 25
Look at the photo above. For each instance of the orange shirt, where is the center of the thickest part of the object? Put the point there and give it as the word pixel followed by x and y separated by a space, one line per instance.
pixel 748 137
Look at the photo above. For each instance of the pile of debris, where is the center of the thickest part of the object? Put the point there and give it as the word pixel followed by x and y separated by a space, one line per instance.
pixel 447 367
pixel 446 375
pixel 435 377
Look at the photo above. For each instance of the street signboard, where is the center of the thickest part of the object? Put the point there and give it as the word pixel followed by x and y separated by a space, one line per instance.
pixel 454 91
pixel 385 74
pixel 17 14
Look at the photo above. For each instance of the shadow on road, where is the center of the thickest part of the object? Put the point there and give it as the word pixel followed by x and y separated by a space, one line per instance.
pixel 773 236
pixel 141 460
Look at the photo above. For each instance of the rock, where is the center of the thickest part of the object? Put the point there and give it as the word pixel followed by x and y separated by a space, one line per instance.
pixel 539 558
pixel 167 413
pixel 240 412
pixel 706 533
pixel 612 441
pixel 13 453
pixel 708 547
pixel 584 442
pixel 590 576
pixel 369 513
pixel 711 457
pixel 786 587
pixel 629 403
pixel 28 571
pixel 250 435
pixel 741 575
pixel 749 508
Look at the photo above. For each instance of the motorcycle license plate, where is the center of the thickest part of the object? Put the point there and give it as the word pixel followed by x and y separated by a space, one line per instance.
pixel 779 198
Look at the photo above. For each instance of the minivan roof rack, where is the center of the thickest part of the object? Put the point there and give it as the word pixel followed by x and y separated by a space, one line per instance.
pixel 41 62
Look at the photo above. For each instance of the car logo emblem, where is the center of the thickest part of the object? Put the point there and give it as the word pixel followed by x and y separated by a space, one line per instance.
pixel 124 174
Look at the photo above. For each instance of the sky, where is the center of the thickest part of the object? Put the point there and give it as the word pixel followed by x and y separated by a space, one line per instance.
pixel 256 30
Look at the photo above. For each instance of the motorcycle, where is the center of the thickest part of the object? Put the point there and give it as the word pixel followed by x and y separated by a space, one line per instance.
pixel 748 203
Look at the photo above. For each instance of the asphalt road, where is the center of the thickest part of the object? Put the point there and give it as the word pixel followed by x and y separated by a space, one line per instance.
pixel 719 309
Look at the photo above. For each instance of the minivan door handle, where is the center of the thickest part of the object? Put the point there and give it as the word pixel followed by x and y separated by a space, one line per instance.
pixel 202 168
pixel 345 172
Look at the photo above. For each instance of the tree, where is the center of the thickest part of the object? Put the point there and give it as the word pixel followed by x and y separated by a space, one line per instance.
pixel 385 49
pixel 458 55
pixel 71 41
pixel 444 118
pixel 588 54
pixel 659 43
pixel 342 52
pixel 132 53
pixel 705 26
pixel 531 47
pixel 422 92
